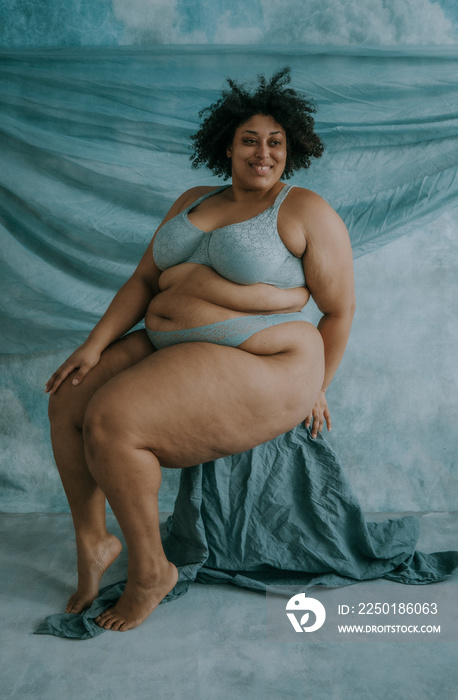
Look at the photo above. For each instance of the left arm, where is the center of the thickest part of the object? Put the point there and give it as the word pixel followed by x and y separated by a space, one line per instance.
pixel 328 266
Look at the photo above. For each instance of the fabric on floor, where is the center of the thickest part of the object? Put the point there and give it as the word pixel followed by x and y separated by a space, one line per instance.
pixel 280 514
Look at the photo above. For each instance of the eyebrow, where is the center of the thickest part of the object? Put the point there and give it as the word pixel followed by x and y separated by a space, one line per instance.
pixel 256 132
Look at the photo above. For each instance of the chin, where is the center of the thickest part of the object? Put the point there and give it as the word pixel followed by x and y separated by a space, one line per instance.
pixel 251 179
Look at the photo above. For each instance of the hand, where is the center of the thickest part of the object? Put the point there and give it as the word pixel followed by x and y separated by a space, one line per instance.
pixel 319 414
pixel 83 359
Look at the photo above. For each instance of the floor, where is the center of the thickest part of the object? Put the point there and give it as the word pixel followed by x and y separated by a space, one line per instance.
pixel 210 644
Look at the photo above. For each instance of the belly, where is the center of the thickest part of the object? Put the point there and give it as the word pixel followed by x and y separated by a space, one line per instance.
pixel 195 295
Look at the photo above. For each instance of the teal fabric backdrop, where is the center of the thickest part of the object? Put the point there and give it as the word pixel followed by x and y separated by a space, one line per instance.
pixel 95 148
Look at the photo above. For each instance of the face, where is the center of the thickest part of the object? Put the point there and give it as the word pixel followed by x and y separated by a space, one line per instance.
pixel 258 153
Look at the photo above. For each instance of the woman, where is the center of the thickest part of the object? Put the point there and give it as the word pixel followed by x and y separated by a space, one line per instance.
pixel 227 360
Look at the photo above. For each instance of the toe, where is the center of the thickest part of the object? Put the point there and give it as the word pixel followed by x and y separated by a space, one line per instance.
pixel 103 617
pixel 77 604
pixel 106 623
pixel 70 604
pixel 117 624
pixel 73 607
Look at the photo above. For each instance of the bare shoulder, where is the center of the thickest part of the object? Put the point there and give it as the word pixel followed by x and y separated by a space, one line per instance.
pixel 184 200
pixel 191 195
pixel 315 214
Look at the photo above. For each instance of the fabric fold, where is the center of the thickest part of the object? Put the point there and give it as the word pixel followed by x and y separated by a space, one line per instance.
pixel 282 514
pixel 95 146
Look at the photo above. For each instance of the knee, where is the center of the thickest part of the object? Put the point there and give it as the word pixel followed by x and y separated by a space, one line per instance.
pixel 102 424
pixel 65 406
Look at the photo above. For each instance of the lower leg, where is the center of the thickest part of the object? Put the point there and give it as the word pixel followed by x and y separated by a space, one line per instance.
pixel 96 547
pixel 130 478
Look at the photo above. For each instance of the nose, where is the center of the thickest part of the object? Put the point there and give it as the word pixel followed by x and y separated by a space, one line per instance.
pixel 262 150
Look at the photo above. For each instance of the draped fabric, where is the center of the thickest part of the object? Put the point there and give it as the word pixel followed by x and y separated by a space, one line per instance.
pixel 95 148
pixel 281 514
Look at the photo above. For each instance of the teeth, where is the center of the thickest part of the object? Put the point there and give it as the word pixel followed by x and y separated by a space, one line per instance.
pixel 262 168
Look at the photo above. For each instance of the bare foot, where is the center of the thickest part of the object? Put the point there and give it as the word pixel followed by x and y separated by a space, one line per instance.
pixel 138 602
pixel 93 561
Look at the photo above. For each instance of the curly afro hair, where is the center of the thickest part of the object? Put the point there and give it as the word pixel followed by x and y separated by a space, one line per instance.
pixel 237 105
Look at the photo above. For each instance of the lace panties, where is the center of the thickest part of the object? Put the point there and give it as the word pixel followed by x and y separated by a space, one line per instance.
pixel 232 332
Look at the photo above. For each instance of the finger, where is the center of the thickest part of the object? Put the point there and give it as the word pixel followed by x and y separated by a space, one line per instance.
pixel 50 382
pixel 61 375
pixel 327 416
pixel 317 425
pixel 79 376
pixel 308 420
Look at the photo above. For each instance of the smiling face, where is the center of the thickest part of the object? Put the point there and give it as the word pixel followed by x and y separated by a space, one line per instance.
pixel 258 153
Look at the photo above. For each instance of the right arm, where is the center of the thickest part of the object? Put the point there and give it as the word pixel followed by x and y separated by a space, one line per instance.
pixel 129 304
pixel 125 311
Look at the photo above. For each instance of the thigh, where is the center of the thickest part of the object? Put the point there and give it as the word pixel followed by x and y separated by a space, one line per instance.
pixel 71 401
pixel 194 402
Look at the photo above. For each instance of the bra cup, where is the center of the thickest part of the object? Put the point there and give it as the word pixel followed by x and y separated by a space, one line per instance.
pixel 289 274
pixel 178 240
pixel 171 247
pixel 249 252
pixel 201 254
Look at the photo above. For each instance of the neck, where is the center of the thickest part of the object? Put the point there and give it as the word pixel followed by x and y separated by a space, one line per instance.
pixel 241 193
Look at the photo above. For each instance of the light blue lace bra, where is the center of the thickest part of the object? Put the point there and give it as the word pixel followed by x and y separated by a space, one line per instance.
pixel 247 253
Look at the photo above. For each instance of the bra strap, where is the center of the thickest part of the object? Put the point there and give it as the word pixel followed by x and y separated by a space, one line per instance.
pixel 205 196
pixel 281 196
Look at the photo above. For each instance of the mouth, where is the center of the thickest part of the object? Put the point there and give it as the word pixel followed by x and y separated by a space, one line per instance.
pixel 261 169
